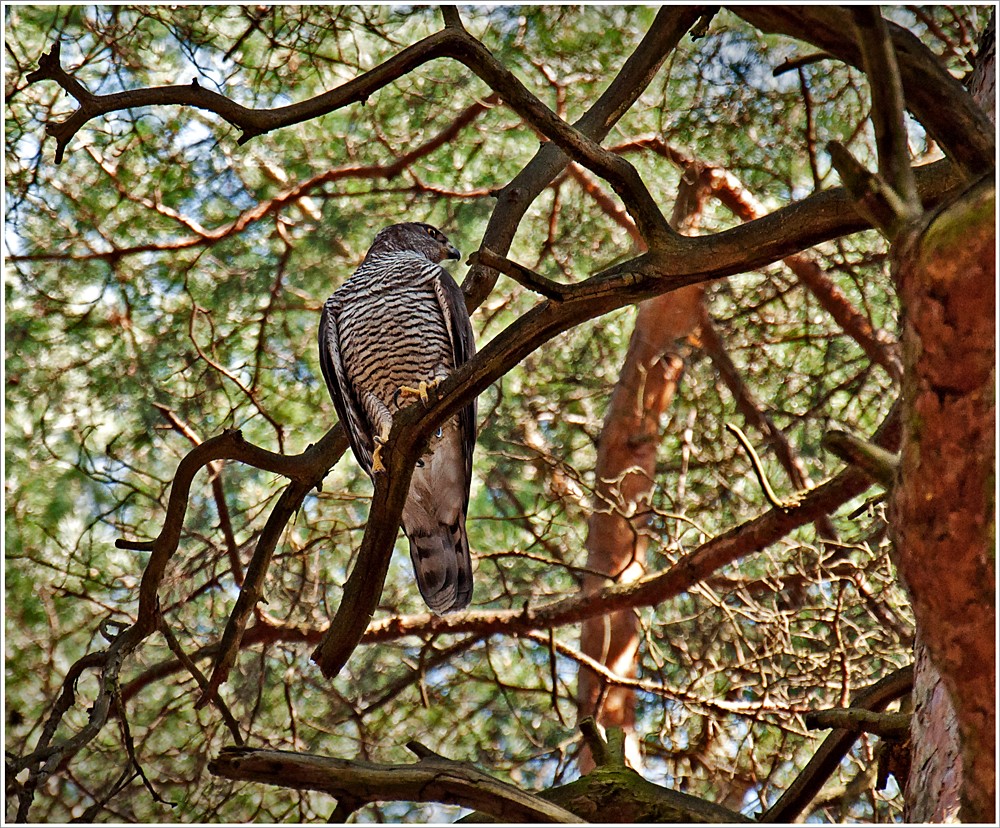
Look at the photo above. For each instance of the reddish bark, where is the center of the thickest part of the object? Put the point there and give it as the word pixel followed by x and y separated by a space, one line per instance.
pixel 625 473
pixel 933 786
pixel 626 466
pixel 937 776
pixel 743 204
pixel 943 505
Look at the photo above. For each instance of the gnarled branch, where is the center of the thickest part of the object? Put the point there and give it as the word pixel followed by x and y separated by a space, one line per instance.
pixel 432 779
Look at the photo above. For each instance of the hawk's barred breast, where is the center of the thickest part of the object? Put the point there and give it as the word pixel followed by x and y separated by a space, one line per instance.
pixel 391 339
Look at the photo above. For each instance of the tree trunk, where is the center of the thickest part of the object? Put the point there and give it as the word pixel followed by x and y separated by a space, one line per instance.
pixel 624 478
pixel 932 787
pixel 936 778
pixel 943 504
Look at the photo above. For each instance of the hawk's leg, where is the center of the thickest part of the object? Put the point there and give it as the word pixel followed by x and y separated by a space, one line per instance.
pixel 377 465
pixel 381 418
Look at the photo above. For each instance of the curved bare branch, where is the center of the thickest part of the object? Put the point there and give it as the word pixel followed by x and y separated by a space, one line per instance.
pixel 432 779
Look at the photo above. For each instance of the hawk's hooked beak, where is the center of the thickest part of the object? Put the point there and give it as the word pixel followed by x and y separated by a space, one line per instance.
pixel 452 252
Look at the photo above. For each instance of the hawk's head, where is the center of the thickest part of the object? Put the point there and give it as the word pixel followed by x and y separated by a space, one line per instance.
pixel 415 237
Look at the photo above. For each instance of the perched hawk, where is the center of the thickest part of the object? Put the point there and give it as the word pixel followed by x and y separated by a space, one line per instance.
pixel 397 327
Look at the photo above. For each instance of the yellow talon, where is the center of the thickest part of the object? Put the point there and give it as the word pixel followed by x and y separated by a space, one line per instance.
pixel 420 391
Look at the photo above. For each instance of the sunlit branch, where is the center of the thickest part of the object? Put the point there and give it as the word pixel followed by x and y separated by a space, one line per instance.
pixel 754 412
pixel 718 706
pixel 669 26
pixel 431 779
pixel 877 345
pixel 653 589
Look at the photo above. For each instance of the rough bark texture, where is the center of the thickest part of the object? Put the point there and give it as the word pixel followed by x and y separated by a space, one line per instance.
pixel 932 789
pixel 935 781
pixel 943 505
pixel 625 474
pixel 983 82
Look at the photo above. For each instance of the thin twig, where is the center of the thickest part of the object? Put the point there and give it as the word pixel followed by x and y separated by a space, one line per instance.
pixel 758 468
pixel 252 590
pixel 199 677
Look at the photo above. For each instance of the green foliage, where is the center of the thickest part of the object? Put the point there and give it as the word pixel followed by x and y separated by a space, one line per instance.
pixel 140 278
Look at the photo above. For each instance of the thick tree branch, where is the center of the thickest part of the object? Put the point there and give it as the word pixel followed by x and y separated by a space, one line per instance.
pixel 252 590
pixel 669 26
pixel 860 720
pixel 432 779
pixel 767 239
pixel 453 42
pixel 614 793
pixel 364 585
pixel 879 465
pixel 650 275
pixel 876 201
pixel 451 18
pixel 653 273
pixel 251 122
pixel 218 492
pixel 272 206
pixel 652 589
pixel 744 205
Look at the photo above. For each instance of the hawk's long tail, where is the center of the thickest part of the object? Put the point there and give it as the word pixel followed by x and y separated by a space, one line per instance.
pixel 434 521
pixel 443 566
